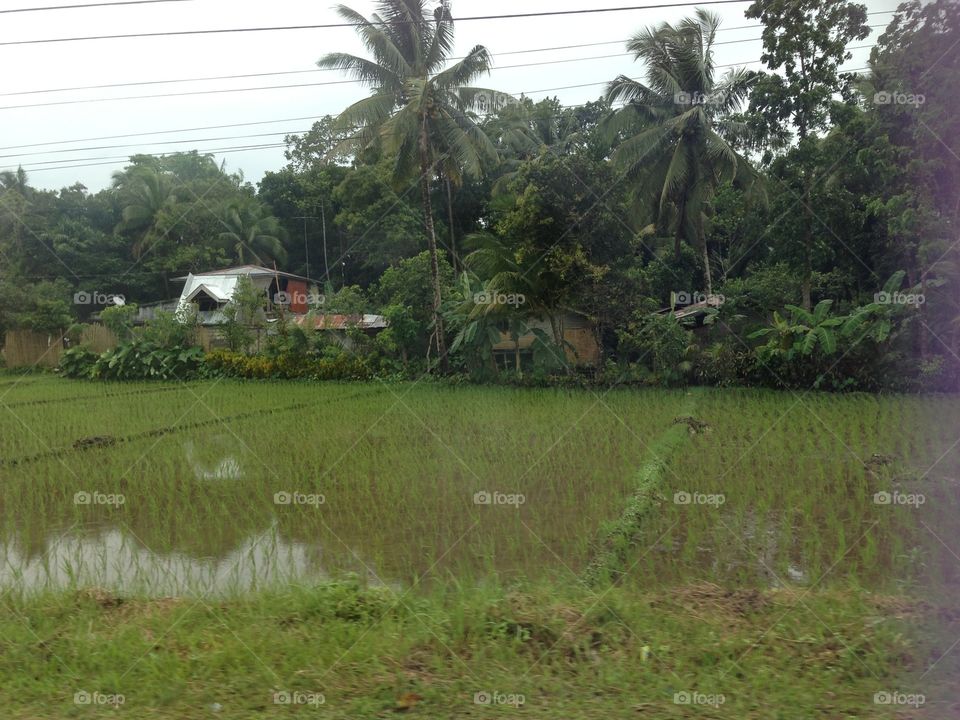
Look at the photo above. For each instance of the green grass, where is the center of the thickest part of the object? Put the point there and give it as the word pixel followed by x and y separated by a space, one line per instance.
pixel 568 651
pixel 788 590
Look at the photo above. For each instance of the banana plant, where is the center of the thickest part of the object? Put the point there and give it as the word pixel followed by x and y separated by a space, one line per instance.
pixel 877 320
pixel 476 332
pixel 805 330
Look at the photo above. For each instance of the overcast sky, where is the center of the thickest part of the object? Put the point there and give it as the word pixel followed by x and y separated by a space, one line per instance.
pixel 29 68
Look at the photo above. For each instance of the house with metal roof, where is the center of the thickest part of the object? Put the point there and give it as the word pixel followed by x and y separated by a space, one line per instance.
pixel 211 291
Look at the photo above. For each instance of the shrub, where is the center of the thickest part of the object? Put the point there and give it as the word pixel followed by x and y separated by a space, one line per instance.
pixel 287 366
pixel 77 362
pixel 119 319
pixel 144 360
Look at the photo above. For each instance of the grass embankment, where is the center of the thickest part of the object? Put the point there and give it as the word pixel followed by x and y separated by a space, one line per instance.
pixel 618 547
pixel 346 652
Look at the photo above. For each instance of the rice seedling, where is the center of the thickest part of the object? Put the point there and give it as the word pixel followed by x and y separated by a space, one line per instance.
pixel 398 538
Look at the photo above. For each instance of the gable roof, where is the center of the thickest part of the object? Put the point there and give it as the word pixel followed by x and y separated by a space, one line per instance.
pixel 219 291
pixel 240 270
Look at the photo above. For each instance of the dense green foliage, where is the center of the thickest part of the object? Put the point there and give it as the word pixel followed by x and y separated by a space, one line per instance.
pixel 138 359
pixel 779 190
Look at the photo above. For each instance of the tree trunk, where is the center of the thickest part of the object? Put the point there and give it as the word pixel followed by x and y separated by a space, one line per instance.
pixel 453 235
pixel 708 278
pixel 425 172
pixel 806 301
pixel 516 341
pixel 921 309
pixel 556 325
pixel 806 286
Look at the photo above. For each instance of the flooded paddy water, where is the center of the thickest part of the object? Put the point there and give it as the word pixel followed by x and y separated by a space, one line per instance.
pixel 224 488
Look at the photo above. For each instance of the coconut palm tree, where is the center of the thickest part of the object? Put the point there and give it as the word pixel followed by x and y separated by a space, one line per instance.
pixel 145 194
pixel 250 229
pixel 418 114
pixel 675 127
pixel 524 131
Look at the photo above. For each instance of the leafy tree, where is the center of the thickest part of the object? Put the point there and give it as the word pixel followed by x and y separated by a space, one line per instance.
pixel 120 319
pixel 475 332
pixel 804 43
pixel 405 290
pixel 243 315
pixel 379 226
pixel 44 308
pixel 556 234
pixel 316 242
pixel 321 145
pixel 660 342
pixel 525 130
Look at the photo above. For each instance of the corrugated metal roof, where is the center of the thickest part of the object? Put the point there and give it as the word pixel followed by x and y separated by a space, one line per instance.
pixel 712 301
pixel 343 322
pixel 252 270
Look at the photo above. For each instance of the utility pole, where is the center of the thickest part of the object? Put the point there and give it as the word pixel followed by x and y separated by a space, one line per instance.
pixel 323 219
pixel 306 249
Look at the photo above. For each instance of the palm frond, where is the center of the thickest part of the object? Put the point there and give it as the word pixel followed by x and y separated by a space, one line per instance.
pixel 476 63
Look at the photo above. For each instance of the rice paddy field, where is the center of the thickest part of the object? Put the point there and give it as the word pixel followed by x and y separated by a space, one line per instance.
pixel 231 549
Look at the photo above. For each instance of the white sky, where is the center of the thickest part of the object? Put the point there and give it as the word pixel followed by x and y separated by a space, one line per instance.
pixel 71 64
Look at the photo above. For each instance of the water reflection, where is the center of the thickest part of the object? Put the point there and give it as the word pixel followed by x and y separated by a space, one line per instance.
pixel 113 559
pixel 214 460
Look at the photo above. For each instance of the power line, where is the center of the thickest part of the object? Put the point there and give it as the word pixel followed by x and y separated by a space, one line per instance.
pixel 86 101
pixel 192 140
pixel 161 132
pixel 188 93
pixel 316 70
pixel 284 28
pixel 88 5
pixel 604 82
pixel 115 158
pixel 313 70
pixel 280 72
pixel 230 125
pixel 164 142
pixel 118 159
